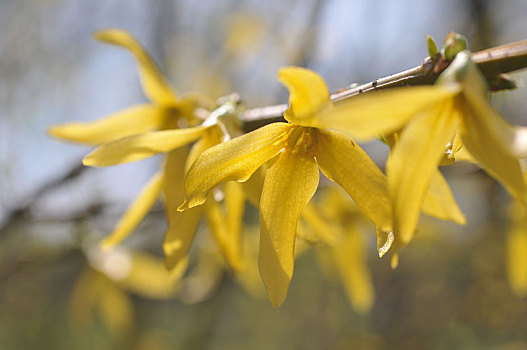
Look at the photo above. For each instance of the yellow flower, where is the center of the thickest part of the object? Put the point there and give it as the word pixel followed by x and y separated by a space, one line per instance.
pixel 183 225
pixel 165 107
pixel 129 136
pixel 295 150
pixel 165 111
pixel 431 117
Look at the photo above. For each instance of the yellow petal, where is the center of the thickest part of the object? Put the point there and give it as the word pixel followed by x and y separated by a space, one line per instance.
pixel 253 187
pixel 174 172
pixel 517 250
pixel 344 162
pixel 308 94
pixel 289 184
pixel 439 201
pixel 211 137
pixel 181 226
pixel 368 116
pixel 511 140
pixel 180 235
pixel 149 277
pixel 483 135
pixel 155 86
pixel 136 211
pixel 234 160
pixel 235 205
pixel 116 310
pixel 322 229
pixel 131 121
pixel 133 148
pixel 351 263
pixel 227 240
pixel 413 161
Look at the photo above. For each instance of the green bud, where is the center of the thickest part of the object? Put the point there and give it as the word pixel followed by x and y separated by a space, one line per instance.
pixel 454 44
pixel 432 48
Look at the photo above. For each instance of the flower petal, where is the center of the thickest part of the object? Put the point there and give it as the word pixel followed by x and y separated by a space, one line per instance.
pixel 484 135
pixel 439 201
pixel 344 162
pixel 368 116
pixel 235 205
pixel 517 250
pixel 322 229
pixel 289 184
pixel 234 160
pixel 155 86
pixel 228 241
pixel 180 234
pixel 136 211
pixel 211 137
pixel 413 161
pixel 137 147
pixel 150 278
pixel 350 261
pixel 308 93
pixel 181 226
pixel 131 121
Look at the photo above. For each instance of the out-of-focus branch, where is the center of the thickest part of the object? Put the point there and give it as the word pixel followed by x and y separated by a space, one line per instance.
pixel 492 62
pixel 23 209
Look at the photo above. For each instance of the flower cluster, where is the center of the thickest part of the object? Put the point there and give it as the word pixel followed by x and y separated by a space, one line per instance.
pixel 277 167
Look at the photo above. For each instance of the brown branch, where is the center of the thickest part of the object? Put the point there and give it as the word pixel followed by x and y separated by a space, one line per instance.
pixel 492 62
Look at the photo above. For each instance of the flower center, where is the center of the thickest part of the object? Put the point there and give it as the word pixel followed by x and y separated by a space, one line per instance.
pixel 301 140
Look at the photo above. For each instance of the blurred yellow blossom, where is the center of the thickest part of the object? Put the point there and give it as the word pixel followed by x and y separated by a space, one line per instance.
pixel 166 111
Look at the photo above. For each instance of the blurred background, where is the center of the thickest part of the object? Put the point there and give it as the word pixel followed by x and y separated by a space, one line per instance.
pixel 451 288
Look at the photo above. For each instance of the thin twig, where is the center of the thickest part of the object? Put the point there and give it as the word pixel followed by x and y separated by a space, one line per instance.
pixel 492 62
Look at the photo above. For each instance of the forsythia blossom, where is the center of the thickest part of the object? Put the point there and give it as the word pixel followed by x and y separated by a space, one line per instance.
pixel 430 117
pixel 296 150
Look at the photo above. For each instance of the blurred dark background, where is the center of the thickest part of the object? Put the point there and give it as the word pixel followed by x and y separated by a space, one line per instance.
pixel 450 290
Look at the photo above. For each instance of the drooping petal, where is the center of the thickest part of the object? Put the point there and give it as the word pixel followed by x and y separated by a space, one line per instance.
pixel 517 250
pixel 344 162
pixel 235 205
pixel 289 184
pixel 227 240
pixel 136 211
pixel 253 187
pixel 351 263
pixel 484 135
pixel 439 201
pixel 137 147
pixel 368 116
pixel 155 86
pixel 413 161
pixel 323 230
pixel 510 139
pixel 181 226
pixel 131 121
pixel 180 235
pixel 308 93
pixel 234 160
